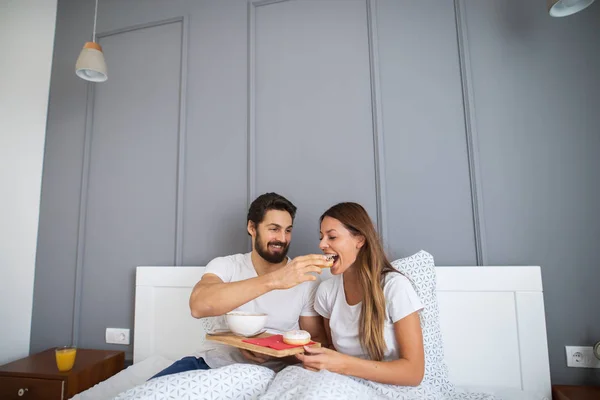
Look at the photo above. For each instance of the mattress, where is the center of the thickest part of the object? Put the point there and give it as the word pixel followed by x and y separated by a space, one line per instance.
pixel 139 373
pixel 128 378
pixel 506 393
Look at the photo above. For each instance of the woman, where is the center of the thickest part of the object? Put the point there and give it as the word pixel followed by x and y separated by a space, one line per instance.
pixel 370 309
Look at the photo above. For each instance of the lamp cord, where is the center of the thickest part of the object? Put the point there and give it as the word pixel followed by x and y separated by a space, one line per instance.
pixel 95 15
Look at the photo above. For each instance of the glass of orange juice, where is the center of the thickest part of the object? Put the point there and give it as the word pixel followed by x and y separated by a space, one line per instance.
pixel 65 358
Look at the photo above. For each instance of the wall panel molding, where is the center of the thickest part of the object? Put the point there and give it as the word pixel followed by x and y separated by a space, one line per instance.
pixel 251 134
pixel 377 118
pixel 181 137
pixel 83 196
pixel 471 132
pixel 88 137
pixel 251 129
pixel 377 115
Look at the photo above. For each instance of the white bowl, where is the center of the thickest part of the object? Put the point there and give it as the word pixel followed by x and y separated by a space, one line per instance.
pixel 245 324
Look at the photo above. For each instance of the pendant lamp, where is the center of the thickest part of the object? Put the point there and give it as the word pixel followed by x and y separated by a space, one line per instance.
pixel 563 8
pixel 90 65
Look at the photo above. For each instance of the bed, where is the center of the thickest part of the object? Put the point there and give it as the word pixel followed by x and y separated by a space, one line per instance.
pixel 492 321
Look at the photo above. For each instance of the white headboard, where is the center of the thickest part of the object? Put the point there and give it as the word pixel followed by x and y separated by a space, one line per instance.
pixel 492 320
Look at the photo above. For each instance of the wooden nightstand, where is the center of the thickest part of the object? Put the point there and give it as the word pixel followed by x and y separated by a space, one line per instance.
pixel 37 377
pixel 564 392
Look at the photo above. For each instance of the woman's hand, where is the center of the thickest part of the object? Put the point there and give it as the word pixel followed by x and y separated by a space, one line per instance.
pixel 319 358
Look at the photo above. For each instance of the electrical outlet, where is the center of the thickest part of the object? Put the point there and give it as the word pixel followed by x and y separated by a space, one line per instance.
pixel 117 336
pixel 581 357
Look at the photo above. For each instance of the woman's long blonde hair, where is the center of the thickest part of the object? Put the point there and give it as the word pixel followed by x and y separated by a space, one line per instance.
pixel 371 267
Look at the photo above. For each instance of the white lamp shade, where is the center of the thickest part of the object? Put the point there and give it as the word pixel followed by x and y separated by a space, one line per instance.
pixel 90 64
pixel 563 8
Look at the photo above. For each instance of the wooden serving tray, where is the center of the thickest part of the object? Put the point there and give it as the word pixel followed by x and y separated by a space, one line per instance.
pixel 232 339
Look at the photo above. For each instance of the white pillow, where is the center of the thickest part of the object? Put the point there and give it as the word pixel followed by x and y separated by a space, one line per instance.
pixel 237 381
pixel 420 270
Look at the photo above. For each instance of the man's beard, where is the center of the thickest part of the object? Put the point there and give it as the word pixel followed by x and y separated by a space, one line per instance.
pixel 273 258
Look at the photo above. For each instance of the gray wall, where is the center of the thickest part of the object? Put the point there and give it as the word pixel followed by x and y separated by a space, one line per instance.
pixel 426 165
pixel 313 135
pixel 536 91
pixel 131 186
pixel 470 135
pixel 110 182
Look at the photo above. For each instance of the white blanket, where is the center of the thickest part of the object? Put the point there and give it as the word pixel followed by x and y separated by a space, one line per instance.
pixel 251 382
pixel 238 381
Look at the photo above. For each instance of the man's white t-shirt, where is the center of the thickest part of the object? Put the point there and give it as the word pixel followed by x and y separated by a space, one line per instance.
pixel 283 307
pixel 344 319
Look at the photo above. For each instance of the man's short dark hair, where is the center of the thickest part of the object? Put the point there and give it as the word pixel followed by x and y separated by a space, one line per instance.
pixel 266 202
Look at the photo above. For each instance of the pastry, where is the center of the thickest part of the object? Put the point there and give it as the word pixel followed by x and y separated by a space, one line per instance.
pixel 330 259
pixel 298 338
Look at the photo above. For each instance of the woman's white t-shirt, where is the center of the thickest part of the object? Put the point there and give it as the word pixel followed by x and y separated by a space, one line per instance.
pixel 400 301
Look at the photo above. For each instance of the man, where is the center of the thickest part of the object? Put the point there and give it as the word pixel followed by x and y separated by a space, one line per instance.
pixel 262 281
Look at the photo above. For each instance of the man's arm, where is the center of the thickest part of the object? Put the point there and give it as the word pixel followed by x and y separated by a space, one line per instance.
pixel 212 297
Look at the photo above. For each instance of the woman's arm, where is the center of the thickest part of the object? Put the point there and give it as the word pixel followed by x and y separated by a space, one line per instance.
pixel 408 370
